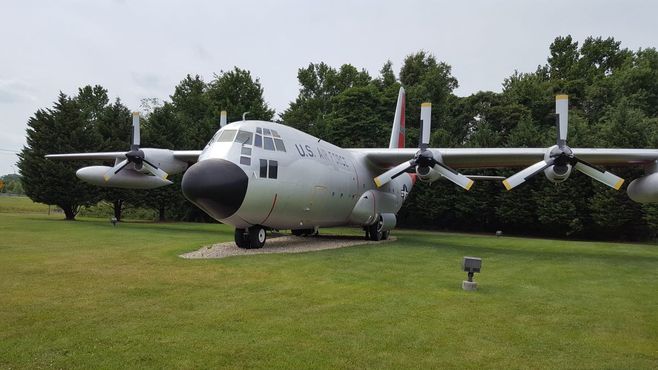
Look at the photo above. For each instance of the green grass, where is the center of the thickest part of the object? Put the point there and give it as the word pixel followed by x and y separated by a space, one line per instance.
pixel 20 204
pixel 86 295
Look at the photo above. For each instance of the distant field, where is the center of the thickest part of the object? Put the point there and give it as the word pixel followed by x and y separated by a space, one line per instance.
pixel 20 204
pixel 23 204
pixel 87 295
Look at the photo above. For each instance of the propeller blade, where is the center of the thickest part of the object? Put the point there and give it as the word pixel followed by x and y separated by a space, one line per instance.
pixel 453 176
pixel 136 135
pixel 606 177
pixel 521 176
pixel 426 124
pixel 150 167
pixel 114 170
pixel 222 119
pixel 394 172
pixel 562 111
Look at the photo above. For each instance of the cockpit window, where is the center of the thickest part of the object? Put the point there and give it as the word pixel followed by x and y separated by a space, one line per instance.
pixel 279 145
pixel 268 143
pixel 243 137
pixel 226 136
pixel 268 139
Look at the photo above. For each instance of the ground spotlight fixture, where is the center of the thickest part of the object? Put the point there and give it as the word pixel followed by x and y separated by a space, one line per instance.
pixel 114 221
pixel 471 265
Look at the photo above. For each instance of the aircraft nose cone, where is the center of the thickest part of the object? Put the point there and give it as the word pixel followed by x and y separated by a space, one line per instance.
pixel 217 186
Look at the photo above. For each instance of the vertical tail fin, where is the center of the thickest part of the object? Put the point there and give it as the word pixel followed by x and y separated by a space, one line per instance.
pixel 398 132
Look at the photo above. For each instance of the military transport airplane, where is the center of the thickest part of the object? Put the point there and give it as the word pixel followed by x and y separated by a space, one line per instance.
pixel 259 176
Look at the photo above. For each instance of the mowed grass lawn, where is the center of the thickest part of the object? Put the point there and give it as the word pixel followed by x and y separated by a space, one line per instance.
pixel 84 294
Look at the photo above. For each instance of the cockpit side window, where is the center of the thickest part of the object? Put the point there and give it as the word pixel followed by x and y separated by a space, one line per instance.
pixel 279 145
pixel 268 143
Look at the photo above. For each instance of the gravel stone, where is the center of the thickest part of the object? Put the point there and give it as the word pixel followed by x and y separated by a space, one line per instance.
pixel 281 243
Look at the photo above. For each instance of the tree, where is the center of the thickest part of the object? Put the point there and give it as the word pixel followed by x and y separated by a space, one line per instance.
pixel 320 83
pixel 114 124
pixel 354 121
pixel 62 129
pixel 237 92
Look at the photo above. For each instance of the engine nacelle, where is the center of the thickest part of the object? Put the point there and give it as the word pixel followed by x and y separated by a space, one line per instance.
pixel 427 174
pixel 556 174
pixel 127 178
pixel 165 160
pixel 644 189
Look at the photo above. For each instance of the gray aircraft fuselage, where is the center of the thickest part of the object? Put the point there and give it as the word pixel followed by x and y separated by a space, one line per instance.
pixel 267 174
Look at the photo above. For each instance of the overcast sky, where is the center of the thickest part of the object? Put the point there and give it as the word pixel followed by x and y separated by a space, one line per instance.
pixel 139 49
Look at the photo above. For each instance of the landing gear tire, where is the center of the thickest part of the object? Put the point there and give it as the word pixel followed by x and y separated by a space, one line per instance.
pixel 296 232
pixel 375 232
pixel 385 235
pixel 242 239
pixel 257 237
pixel 302 232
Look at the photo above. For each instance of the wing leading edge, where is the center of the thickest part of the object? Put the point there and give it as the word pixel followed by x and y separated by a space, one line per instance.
pixel 385 158
pixel 183 155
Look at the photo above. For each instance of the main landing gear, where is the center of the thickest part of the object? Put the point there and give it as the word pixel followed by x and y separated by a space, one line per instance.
pixel 251 238
pixel 375 232
pixel 304 232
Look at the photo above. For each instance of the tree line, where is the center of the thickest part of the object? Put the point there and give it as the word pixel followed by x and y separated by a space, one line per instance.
pixel 613 96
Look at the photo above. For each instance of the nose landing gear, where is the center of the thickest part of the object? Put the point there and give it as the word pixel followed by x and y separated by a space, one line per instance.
pixel 251 238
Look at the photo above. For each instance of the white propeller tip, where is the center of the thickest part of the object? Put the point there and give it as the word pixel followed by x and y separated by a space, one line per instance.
pixel 468 185
pixel 618 184
pixel 378 182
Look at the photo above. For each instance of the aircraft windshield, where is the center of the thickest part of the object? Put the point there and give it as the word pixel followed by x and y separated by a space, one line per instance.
pixel 226 136
pixel 243 137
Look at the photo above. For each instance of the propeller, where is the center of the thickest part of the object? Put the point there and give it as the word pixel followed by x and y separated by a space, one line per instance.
pixel 424 160
pixel 561 156
pixel 135 156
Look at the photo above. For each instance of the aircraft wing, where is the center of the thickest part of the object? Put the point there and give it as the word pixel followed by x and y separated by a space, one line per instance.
pixel 507 157
pixel 183 155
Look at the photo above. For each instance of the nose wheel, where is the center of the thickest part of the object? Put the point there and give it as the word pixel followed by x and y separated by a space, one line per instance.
pixel 251 238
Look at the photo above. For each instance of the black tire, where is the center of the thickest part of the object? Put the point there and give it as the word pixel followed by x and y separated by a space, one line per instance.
pixel 257 237
pixel 385 235
pixel 241 239
pixel 297 232
pixel 303 232
pixel 375 230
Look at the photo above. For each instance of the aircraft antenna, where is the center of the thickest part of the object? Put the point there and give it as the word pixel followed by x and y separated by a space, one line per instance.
pixel 244 115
